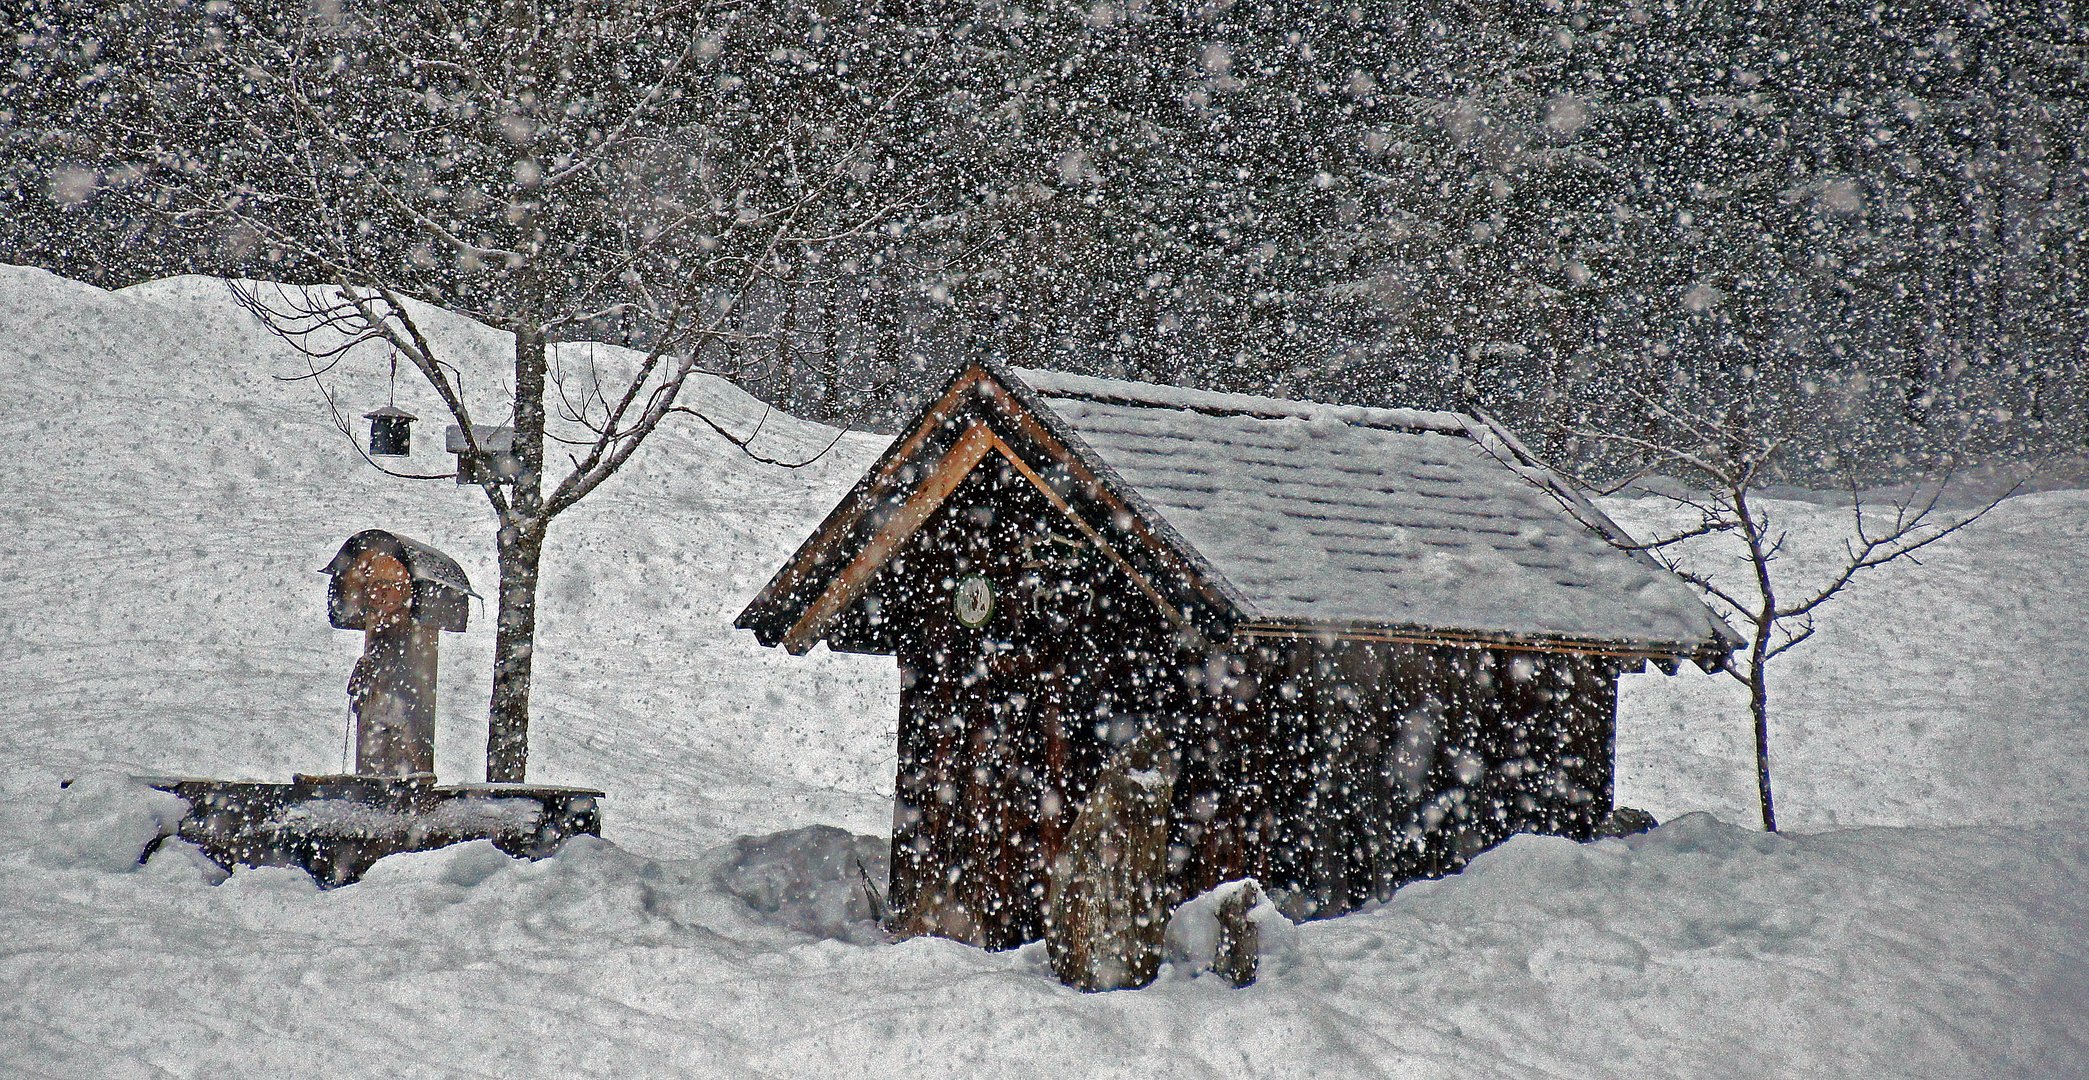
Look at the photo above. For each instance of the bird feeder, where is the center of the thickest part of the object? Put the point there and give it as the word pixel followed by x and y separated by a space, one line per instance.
pixel 401 594
pixel 496 461
pixel 391 431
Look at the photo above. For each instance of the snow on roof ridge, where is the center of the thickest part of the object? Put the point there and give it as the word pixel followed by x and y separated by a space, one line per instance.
pixel 1063 384
pixel 1328 523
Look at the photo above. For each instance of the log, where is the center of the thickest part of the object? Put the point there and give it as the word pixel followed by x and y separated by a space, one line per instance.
pixel 1239 952
pixel 1218 932
pixel 1106 900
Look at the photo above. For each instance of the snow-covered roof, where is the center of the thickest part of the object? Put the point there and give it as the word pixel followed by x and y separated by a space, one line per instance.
pixel 1330 515
pixel 423 563
pixel 1257 515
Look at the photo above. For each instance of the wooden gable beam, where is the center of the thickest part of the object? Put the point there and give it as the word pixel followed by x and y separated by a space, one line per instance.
pixel 977 386
pixel 1131 520
pixel 897 530
pixel 843 520
pixel 971 448
pixel 1095 536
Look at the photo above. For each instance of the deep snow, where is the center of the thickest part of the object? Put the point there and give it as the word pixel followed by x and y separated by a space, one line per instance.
pixel 166 503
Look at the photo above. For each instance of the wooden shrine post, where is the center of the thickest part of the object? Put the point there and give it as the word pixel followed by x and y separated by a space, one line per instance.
pixel 392 690
pixel 402 595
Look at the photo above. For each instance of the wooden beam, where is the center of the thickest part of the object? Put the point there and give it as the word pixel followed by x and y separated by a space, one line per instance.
pixel 964 456
pixel 904 523
pixel 1095 535
pixel 1034 430
pixel 1004 407
pixel 867 493
pixel 1466 639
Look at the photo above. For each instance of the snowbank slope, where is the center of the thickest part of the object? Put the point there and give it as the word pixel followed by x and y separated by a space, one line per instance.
pixel 166 502
pixel 1702 950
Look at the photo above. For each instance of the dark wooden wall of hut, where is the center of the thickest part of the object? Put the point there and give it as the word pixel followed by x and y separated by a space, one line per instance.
pixel 1379 763
pixel 1004 727
pixel 1332 770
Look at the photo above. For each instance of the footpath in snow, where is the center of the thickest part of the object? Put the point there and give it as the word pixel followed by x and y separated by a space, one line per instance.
pixel 166 502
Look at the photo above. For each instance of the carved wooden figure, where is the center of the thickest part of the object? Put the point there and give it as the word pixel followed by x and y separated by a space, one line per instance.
pixel 402 595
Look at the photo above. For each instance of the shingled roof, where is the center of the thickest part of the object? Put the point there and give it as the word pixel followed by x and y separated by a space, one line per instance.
pixel 1307 517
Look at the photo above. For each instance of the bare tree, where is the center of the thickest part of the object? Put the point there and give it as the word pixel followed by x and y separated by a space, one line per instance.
pixel 550 169
pixel 1724 462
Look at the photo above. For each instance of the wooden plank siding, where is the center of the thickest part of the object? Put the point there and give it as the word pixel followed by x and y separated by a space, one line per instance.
pixel 1333 770
pixel 1388 762
pixel 1004 727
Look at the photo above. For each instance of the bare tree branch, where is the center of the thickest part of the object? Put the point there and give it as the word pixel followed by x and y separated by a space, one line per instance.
pixel 745 444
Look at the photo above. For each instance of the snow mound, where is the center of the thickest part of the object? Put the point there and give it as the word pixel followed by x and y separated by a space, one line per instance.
pixel 107 822
pixel 811 880
pixel 589 890
pixel 1192 939
pixel 178 863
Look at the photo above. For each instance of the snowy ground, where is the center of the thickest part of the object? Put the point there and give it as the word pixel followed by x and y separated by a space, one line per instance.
pixel 166 502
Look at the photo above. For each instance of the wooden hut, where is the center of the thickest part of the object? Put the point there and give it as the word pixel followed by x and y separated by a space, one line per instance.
pixel 1374 642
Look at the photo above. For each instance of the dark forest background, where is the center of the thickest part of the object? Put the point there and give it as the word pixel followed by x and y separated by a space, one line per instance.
pixel 1859 224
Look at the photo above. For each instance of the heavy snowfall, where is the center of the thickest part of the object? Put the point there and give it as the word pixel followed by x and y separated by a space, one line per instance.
pixel 168 502
pixel 675 276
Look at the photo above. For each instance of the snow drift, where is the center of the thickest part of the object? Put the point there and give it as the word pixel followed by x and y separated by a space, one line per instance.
pixel 166 502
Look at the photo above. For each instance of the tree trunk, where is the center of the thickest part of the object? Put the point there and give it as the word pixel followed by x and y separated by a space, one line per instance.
pixel 837 410
pixel 1763 621
pixel 1914 391
pixel 508 717
pixel 1759 707
pixel 526 500
pixel 521 549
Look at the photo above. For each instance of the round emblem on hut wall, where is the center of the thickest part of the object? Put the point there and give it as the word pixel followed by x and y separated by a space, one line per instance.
pixel 974 600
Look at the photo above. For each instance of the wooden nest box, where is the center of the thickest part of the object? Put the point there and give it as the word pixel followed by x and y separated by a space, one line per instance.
pixel 496 461
pixel 1344 647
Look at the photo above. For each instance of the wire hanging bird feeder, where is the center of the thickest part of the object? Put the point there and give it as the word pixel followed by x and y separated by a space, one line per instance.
pixel 391 427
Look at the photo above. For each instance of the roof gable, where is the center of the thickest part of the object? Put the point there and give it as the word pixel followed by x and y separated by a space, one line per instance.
pixel 1267 516
pixel 981 410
